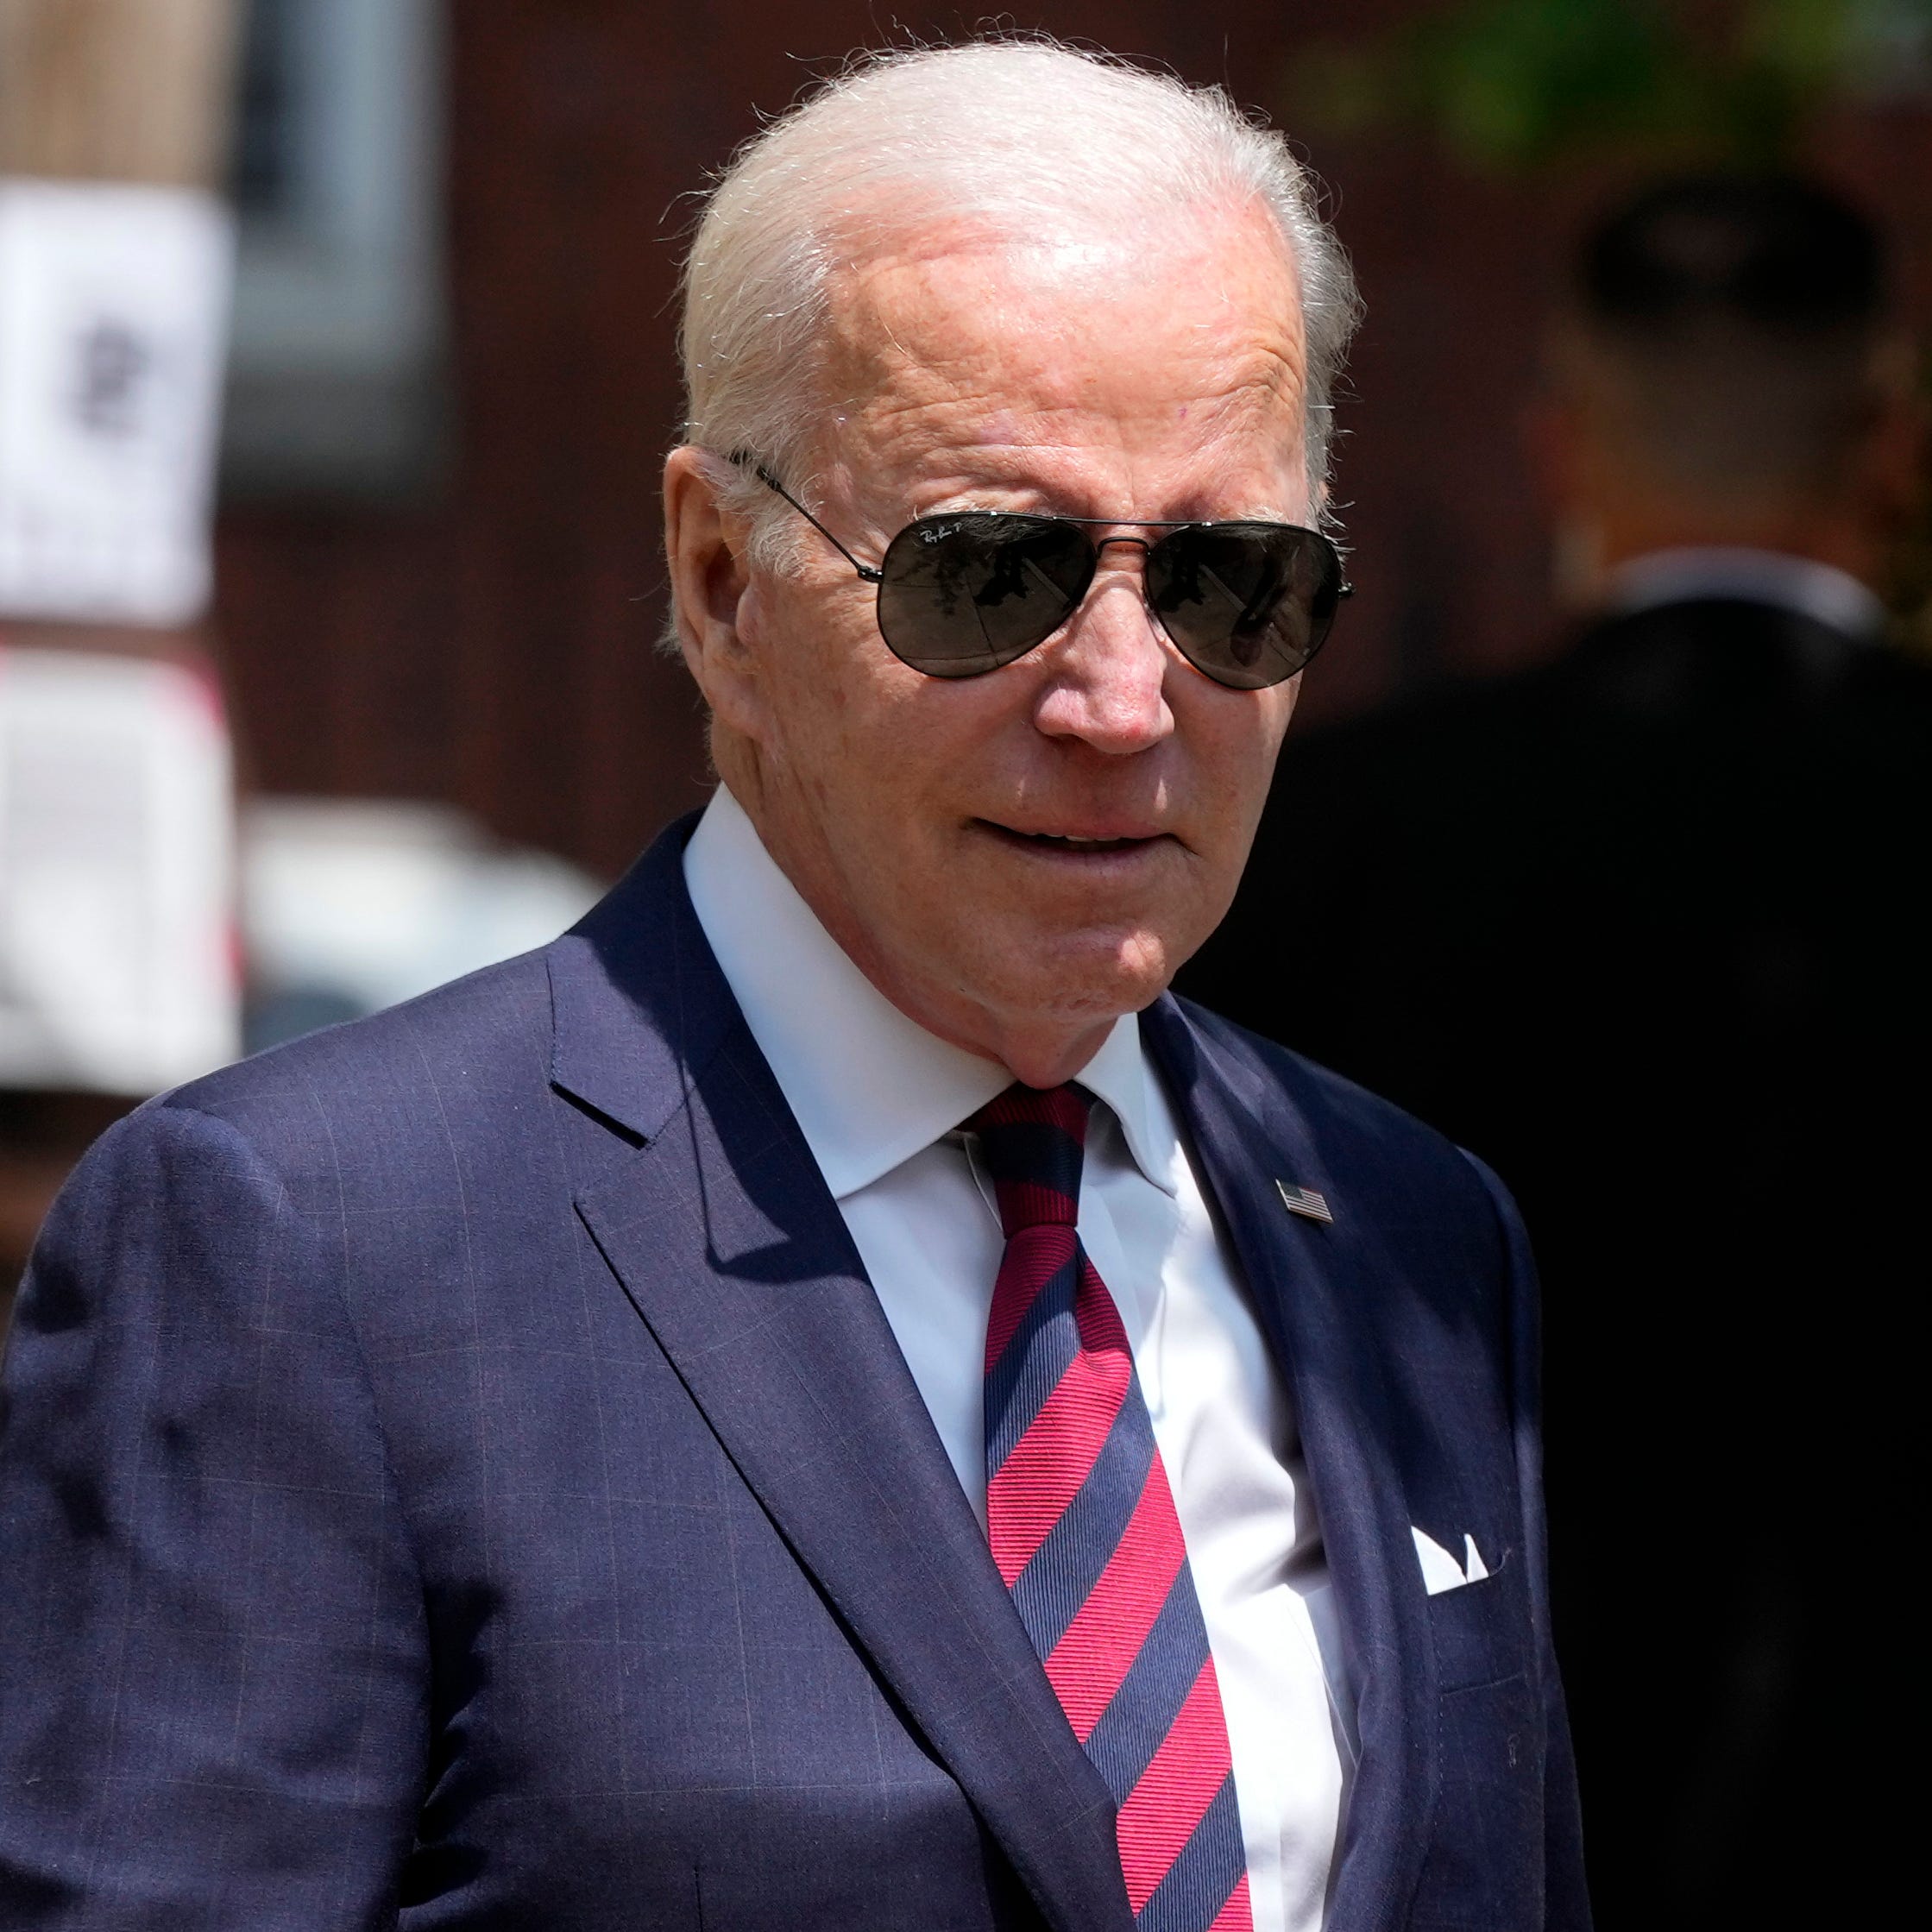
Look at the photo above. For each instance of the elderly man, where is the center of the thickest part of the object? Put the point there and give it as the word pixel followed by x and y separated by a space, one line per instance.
pixel 824 1398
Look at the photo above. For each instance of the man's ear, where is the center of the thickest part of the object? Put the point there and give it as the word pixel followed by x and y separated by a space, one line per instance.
pixel 1554 440
pixel 705 545
pixel 1567 465
pixel 1890 468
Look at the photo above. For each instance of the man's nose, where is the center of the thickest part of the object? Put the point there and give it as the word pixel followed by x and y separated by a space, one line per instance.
pixel 1109 662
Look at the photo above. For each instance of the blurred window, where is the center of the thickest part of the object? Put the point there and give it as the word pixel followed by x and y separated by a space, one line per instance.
pixel 335 380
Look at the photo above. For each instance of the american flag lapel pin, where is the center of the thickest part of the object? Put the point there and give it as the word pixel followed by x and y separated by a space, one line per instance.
pixel 1305 1202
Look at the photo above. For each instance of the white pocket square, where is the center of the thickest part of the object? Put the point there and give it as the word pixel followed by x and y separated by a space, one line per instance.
pixel 1441 1571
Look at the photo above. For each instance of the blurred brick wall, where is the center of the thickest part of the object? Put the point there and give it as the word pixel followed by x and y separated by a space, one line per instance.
pixel 497 648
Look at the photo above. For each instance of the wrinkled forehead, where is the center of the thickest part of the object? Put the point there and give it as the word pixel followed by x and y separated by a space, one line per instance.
pixel 1080 328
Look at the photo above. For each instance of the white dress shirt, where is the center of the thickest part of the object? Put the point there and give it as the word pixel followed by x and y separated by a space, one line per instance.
pixel 879 1101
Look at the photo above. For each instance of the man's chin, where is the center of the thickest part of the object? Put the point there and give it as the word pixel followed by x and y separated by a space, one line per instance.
pixel 1083 979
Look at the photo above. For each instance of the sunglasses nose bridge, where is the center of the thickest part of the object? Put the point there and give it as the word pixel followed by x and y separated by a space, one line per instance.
pixel 1098 579
pixel 1101 545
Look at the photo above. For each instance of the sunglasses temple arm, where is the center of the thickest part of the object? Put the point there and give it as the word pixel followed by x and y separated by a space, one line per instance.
pixel 746 460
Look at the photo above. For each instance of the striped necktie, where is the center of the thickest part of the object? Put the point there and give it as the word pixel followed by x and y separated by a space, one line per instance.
pixel 1084 1531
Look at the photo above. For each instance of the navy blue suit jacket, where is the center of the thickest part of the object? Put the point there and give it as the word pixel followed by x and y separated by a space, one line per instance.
pixel 456 1473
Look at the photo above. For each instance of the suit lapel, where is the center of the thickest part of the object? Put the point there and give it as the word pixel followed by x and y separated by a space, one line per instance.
pixel 724 1236
pixel 1315 1288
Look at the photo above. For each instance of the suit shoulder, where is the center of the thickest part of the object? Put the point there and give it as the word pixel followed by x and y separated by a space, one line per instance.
pixel 1359 1133
pixel 369 1088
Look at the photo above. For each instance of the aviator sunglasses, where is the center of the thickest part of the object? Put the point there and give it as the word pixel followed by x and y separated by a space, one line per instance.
pixel 964 593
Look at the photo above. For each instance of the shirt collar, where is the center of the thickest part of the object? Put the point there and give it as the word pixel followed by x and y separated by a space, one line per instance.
pixel 870 1087
pixel 1820 591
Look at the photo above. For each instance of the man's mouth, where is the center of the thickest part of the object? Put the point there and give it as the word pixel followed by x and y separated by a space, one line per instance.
pixel 1074 844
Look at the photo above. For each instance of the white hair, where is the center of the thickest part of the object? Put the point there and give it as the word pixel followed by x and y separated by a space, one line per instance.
pixel 1004 129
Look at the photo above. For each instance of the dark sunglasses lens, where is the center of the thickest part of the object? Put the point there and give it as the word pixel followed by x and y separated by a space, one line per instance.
pixel 960 596
pixel 1247 603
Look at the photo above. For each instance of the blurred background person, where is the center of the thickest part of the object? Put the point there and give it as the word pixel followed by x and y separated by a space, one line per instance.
pixel 1689 856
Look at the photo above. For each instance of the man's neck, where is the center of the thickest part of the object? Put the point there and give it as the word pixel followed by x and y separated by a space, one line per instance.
pixel 1597 550
pixel 1696 573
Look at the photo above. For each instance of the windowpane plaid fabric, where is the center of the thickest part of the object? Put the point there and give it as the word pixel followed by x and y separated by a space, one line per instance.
pixel 1082 1528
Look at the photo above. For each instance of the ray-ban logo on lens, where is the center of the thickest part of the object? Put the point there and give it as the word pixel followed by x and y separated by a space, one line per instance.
pixel 1305 1201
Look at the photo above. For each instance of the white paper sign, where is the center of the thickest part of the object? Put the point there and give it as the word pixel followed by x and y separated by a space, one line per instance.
pixel 114 306
pixel 118 955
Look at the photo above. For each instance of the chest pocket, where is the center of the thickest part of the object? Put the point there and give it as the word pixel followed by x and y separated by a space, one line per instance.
pixel 1481 1631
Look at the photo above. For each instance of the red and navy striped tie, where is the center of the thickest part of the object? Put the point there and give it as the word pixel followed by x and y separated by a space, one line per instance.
pixel 1084 1531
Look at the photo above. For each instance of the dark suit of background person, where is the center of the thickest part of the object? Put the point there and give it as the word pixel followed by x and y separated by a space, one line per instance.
pixel 1647 929
pixel 491 1493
